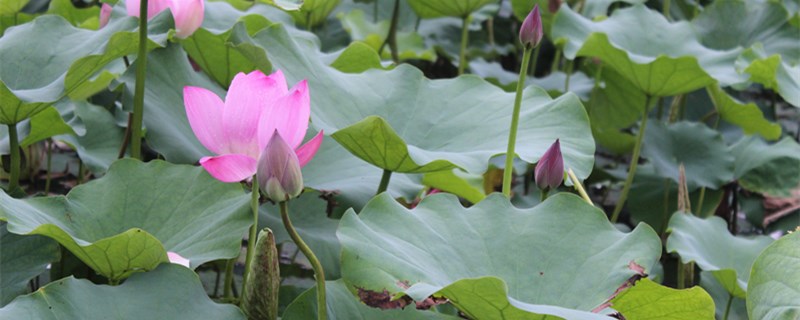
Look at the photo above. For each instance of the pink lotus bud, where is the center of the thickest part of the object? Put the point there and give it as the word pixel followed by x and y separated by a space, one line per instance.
pixel 549 171
pixel 531 32
pixel 105 14
pixel 279 174
pixel 177 259
pixel 188 14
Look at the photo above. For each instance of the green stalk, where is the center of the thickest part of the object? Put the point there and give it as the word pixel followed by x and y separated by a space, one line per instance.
pixel 700 202
pixel 228 290
pixel 138 97
pixel 512 135
pixel 319 274
pixel 48 178
pixel 637 148
pixel 251 240
pixel 556 60
pixel 392 37
pixel 728 307
pixel 532 71
pixel 387 175
pixel 578 186
pixel 462 56
pixel 13 140
pixel 665 8
pixel 568 70
pixel 543 194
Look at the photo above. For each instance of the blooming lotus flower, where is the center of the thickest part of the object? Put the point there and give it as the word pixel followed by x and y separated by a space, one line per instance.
pixel 188 14
pixel 177 259
pixel 549 171
pixel 279 174
pixel 105 14
pixel 531 32
pixel 239 129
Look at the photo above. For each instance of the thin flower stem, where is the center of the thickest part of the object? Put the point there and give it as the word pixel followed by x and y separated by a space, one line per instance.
pixel 462 56
pixel 665 8
pixel 392 37
pixel 512 135
pixel 49 177
pixel 535 57
pixel 251 240
pixel 637 148
pixel 384 185
pixel 579 186
pixel 728 307
pixel 138 97
pixel 543 194
pixel 228 290
pixel 13 140
pixel 319 274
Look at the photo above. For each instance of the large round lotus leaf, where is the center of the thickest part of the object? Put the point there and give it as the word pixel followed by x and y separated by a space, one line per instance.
pixel 98 145
pixel 773 71
pixel 410 44
pixel 401 121
pixel 658 57
pixel 343 305
pixel 728 24
pixel 774 291
pixel 738 308
pixel 447 8
pixel 701 150
pixel 22 258
pixel 169 292
pixel 708 243
pixel 44 60
pixel 771 169
pixel 514 258
pixel 648 300
pixel 312 12
pixel 127 220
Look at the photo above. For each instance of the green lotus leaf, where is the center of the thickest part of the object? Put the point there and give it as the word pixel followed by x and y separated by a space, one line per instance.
pixel 126 221
pixel 774 292
pixel 410 45
pixel 443 249
pixel 773 72
pixel 708 243
pixel 342 304
pixel 700 149
pixel 729 24
pixel 658 57
pixel 399 120
pixel 169 292
pixel 99 144
pixel 313 12
pixel 447 8
pixel 747 116
pixel 357 58
pixel 22 258
pixel 80 17
pixel 771 169
pixel 48 58
pixel 649 300
pixel 11 7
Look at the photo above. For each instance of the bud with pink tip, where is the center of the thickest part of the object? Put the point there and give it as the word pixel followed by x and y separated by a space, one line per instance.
pixel 279 174
pixel 531 32
pixel 105 14
pixel 549 171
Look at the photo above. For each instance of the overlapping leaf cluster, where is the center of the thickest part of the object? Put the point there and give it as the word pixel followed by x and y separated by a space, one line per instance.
pixel 718 82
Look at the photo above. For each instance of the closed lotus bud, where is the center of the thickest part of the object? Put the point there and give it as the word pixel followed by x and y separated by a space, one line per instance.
pixel 549 171
pixel 260 297
pixel 531 32
pixel 105 14
pixel 279 174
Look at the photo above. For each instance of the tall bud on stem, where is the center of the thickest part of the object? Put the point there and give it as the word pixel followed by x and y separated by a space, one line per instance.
pixel 279 174
pixel 530 35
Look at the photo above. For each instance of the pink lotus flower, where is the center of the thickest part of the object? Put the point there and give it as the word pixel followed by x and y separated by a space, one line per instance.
pixel 188 14
pixel 239 129
pixel 178 259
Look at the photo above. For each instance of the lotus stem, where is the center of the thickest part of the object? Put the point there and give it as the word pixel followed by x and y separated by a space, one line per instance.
pixel 728 307
pixel 228 290
pixel 319 273
pixel 13 140
pixel 392 37
pixel 384 185
pixel 637 148
pixel 579 186
pixel 462 56
pixel 512 135
pixel 138 96
pixel 251 240
pixel 48 176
